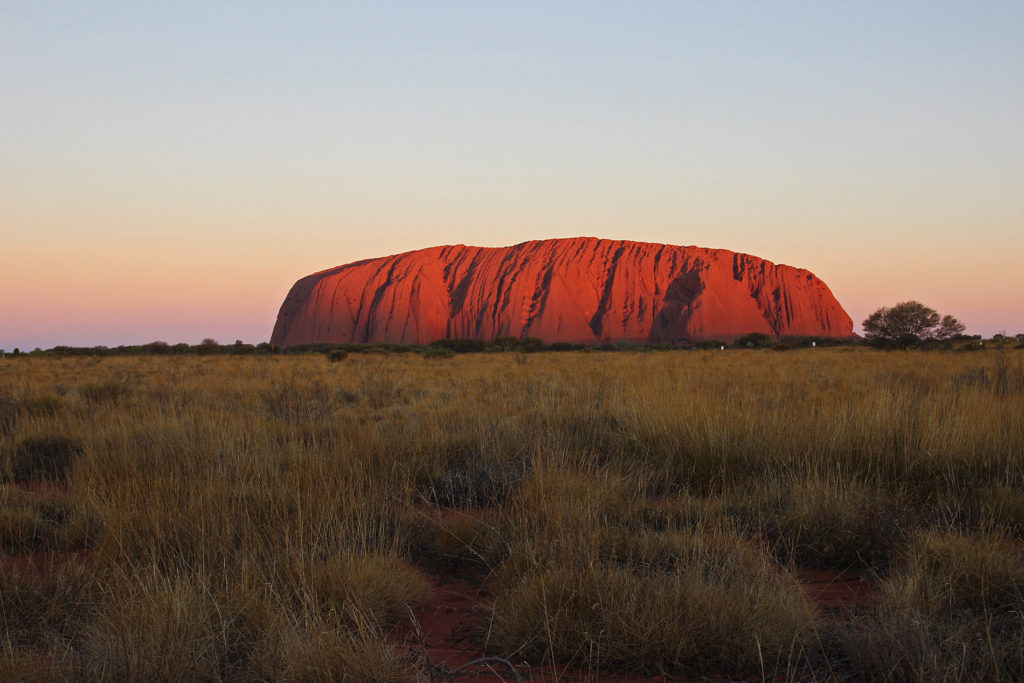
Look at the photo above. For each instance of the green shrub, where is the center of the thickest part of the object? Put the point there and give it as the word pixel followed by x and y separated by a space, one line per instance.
pixel 461 345
pixel 754 340
pixel 437 352
pixel 158 348
pixel 506 343
pixel 531 343
pixel 568 346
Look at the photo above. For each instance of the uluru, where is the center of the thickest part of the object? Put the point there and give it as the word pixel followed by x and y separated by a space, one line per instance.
pixel 580 290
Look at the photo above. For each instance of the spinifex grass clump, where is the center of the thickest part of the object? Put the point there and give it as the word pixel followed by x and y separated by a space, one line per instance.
pixel 46 520
pixel 586 583
pixel 47 404
pixel 43 458
pixel 40 610
pixel 999 508
pixel 818 523
pixel 175 627
pixel 469 484
pixel 381 588
pixel 9 412
pixel 105 391
pixel 953 611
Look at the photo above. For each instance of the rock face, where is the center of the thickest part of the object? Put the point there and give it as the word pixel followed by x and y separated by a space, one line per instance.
pixel 572 290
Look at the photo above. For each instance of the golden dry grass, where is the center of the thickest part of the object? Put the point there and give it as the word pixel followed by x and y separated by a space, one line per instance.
pixel 263 517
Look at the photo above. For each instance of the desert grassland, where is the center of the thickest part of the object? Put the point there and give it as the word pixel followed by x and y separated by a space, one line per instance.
pixel 270 517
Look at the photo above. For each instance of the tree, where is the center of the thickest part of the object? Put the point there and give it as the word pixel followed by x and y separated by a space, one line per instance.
pixel 208 346
pixel 909 323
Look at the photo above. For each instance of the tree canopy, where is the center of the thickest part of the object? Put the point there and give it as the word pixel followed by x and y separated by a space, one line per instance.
pixel 909 323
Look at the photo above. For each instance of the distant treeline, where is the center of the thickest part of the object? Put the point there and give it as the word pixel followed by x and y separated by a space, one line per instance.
pixel 449 347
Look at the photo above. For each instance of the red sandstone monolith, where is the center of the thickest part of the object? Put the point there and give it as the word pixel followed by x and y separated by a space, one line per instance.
pixel 570 290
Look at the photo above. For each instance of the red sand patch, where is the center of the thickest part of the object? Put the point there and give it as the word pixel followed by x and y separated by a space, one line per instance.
pixel 42 562
pixel 836 590
pixel 38 486
pixel 448 629
pixel 451 630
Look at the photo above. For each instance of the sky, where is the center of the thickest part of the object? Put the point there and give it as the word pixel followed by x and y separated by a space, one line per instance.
pixel 168 170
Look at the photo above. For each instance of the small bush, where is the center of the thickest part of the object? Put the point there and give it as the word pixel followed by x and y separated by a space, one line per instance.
pixel 363 656
pixel 943 571
pixel 337 355
pixel 30 522
pixel 40 607
pixel 157 348
pixel 474 485
pixel 44 458
pixel 568 346
pixel 291 400
pixel 461 345
pixel 506 343
pixel 828 525
pixel 357 587
pixel 9 412
pixel 381 389
pixel 531 344
pixel 45 405
pixel 459 541
pixel 1008 377
pixel 999 508
pixel 177 628
pixel 754 340
pixel 109 391
pixel 971 377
